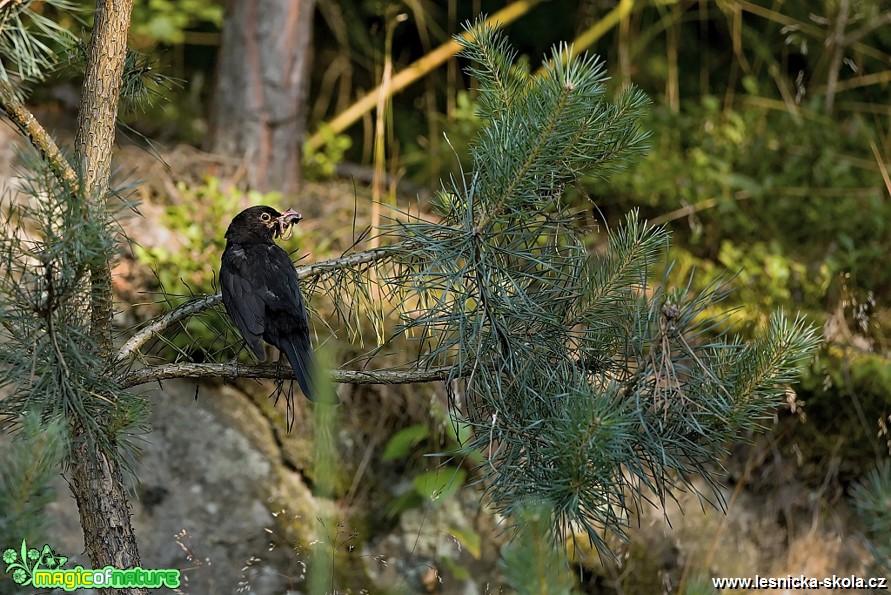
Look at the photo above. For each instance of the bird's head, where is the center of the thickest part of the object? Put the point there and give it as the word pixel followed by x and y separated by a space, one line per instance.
pixel 261 224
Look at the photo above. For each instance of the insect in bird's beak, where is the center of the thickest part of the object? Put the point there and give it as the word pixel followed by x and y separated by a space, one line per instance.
pixel 284 223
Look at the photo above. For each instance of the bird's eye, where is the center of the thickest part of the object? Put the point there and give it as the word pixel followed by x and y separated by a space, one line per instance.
pixel 265 217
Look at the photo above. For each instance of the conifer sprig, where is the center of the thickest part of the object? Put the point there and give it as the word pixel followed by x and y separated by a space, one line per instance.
pixel 589 385
pixel 51 365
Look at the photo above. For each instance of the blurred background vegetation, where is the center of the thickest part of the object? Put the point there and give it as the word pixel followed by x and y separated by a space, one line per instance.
pixel 769 152
pixel 770 155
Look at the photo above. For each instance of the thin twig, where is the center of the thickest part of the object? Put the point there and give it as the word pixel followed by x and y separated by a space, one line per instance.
pixel 869 27
pixel 51 328
pixel 883 169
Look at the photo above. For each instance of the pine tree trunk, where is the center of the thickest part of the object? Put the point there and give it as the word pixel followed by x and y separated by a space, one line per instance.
pixel 96 479
pixel 259 108
pixel 98 488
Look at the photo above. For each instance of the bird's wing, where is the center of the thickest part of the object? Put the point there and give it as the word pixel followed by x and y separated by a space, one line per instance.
pixel 243 287
pixel 282 287
pixel 284 302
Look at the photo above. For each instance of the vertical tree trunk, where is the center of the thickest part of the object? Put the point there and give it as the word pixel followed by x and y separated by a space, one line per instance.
pixel 95 135
pixel 96 479
pixel 98 488
pixel 259 108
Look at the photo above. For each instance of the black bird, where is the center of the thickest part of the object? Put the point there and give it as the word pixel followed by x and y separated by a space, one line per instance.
pixel 261 293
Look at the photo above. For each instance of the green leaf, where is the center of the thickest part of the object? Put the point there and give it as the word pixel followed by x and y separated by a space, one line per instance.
pixel 406 501
pixel 404 440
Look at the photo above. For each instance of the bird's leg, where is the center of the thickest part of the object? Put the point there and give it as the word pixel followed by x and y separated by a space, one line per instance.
pixel 288 393
pixel 279 381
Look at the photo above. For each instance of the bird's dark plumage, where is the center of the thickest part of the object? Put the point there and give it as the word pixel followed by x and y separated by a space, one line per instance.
pixel 261 293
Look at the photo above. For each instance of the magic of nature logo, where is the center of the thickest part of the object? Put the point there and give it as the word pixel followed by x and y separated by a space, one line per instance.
pixel 44 569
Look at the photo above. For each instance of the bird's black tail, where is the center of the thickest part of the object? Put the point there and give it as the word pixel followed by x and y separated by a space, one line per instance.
pixel 304 365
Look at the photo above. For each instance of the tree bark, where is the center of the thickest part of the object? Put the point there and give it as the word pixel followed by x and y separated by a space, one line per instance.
pixel 259 109
pixel 95 136
pixel 98 487
pixel 96 479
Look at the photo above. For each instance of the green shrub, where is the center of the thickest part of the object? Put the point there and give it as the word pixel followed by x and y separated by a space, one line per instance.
pixel 800 185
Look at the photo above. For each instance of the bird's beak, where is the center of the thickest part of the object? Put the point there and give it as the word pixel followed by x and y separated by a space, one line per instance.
pixel 285 221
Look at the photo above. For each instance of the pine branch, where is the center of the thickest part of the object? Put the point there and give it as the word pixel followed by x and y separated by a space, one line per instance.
pixel 129 350
pixel 272 371
pixel 544 138
pixel 25 121
pixel 589 384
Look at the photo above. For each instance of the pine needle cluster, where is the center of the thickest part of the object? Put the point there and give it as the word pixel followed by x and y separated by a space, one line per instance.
pixel 51 237
pixel 31 45
pixel 872 501
pixel 589 385
pixel 50 361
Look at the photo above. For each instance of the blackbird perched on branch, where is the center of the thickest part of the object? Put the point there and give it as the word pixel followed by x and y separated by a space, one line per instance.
pixel 261 293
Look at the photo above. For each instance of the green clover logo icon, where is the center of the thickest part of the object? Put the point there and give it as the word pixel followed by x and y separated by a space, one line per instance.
pixel 21 564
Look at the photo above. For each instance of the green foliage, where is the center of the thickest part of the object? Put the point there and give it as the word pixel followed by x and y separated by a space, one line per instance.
pixel 195 220
pixel 403 442
pixel 872 499
pixel 30 462
pixel 770 177
pixel 188 270
pixel 320 164
pixel 588 384
pixel 461 127
pixel 48 356
pixel 794 206
pixel 165 21
pixel 767 278
pixel 431 486
pixel 440 483
pixel 326 475
pixel 532 562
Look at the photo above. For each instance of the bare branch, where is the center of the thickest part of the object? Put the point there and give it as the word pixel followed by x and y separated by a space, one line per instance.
pixel 235 370
pixel 25 121
pixel 159 325
pixel 129 350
